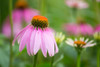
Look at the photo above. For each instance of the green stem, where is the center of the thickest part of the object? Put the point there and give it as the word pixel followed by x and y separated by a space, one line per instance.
pixel 96 7
pixel 11 24
pixel 98 57
pixel 78 60
pixel 43 10
pixel 35 60
pixel 52 61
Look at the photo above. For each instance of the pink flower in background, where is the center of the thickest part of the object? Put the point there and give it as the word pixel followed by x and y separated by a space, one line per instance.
pixel 77 4
pixel 72 28
pixel 21 16
pixel 78 29
pixel 97 29
pixel 86 29
pixel 37 36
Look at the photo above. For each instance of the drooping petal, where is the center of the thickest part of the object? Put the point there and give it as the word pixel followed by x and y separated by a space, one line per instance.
pixel 28 40
pixel 32 40
pixel 24 39
pixel 48 43
pixel 37 41
pixel 43 46
pixel 20 33
pixel 56 47
pixel 55 44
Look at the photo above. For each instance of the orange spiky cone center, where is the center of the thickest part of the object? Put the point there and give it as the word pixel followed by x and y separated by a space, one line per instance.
pixel 40 21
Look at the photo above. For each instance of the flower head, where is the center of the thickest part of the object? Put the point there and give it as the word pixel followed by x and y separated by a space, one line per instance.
pixel 40 21
pixel 59 37
pixel 76 4
pixel 82 43
pixel 36 37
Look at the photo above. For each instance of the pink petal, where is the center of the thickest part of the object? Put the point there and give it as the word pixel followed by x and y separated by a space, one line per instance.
pixel 20 33
pixel 32 41
pixel 28 41
pixel 55 44
pixel 37 41
pixel 48 43
pixel 24 39
pixel 43 46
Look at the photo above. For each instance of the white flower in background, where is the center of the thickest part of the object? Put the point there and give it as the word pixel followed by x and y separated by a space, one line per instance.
pixel 82 42
pixel 59 37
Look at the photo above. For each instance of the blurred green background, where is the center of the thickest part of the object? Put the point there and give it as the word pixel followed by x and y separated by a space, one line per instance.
pixel 57 13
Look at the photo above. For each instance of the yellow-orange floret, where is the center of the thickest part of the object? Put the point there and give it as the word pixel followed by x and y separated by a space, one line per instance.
pixel 79 43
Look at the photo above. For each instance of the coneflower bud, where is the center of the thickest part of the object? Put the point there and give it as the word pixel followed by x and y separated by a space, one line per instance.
pixel 59 37
pixel 97 35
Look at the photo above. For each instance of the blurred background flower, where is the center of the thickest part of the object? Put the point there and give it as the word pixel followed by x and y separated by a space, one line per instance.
pixel 78 29
pixel 59 37
pixel 77 4
pixel 22 16
pixel 97 28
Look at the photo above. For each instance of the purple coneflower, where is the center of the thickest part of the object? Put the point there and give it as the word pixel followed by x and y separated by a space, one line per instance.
pixel 21 16
pixel 37 36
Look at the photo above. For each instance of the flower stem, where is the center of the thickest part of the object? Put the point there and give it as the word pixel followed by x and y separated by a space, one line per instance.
pixel 43 7
pixel 98 57
pixel 78 59
pixel 52 61
pixel 75 13
pixel 96 8
pixel 11 24
pixel 35 60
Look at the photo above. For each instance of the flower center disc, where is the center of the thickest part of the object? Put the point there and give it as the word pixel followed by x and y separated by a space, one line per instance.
pixel 40 21
pixel 79 43
pixel 21 4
